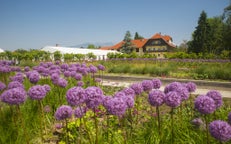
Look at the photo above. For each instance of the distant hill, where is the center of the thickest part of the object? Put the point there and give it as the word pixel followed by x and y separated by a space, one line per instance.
pixel 85 45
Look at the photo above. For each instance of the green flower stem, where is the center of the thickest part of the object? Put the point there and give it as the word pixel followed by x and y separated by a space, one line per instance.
pixel 96 127
pixel 172 124
pixel 207 130
pixel 22 124
pixel 158 120
pixel 67 138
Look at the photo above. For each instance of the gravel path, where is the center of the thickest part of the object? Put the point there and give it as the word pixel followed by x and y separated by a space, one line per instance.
pixel 225 90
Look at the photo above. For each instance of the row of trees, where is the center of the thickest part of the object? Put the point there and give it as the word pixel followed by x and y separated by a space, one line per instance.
pixel 212 35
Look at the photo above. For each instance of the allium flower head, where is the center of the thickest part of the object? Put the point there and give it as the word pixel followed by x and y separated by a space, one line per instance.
pixel 34 77
pixel 26 68
pixel 15 84
pixel 80 83
pixel 2 86
pixel 172 87
pixel 191 86
pixel 67 73
pixel 94 96
pixel 156 97
pixel 220 130
pixel 76 96
pixel 79 112
pixel 37 92
pixel 14 96
pixel 129 92
pixel 93 69
pixel 204 104
pixel 101 67
pixel 78 76
pixel 47 88
pixel 55 78
pixel 156 83
pixel 63 112
pixel 137 87
pixel 172 99
pixel 216 96
pixel 183 92
pixel 47 109
pixel 18 77
pixel 147 85
pixel 62 82
pixel 116 106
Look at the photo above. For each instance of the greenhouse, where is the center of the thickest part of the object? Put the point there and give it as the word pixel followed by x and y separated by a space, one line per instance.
pixel 100 54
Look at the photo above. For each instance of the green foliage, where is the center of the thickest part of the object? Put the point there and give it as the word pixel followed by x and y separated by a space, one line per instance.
pixel 127 46
pixel 57 56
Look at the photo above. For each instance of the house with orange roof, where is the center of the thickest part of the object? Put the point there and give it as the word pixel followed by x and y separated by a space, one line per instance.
pixel 158 45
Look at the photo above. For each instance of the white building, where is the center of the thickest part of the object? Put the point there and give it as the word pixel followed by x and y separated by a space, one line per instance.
pixel 100 54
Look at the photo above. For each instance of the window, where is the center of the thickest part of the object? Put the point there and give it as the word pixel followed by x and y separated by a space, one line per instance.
pixel 137 49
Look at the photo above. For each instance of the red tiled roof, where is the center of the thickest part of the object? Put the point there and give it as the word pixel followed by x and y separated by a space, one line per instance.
pixel 166 38
pixel 139 43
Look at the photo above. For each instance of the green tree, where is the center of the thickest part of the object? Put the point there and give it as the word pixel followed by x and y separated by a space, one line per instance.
pixel 127 46
pixel 200 37
pixel 216 35
pixel 137 36
pixel 91 46
pixel 227 29
pixel 57 55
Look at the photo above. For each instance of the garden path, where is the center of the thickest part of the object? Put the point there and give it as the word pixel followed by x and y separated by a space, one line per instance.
pixel 202 86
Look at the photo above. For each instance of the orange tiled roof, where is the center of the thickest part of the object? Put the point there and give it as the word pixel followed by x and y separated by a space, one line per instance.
pixel 166 38
pixel 139 43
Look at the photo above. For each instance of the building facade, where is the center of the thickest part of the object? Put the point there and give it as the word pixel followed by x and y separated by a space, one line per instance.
pixel 157 45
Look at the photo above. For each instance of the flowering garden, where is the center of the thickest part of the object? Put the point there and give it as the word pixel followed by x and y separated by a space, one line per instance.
pixel 67 103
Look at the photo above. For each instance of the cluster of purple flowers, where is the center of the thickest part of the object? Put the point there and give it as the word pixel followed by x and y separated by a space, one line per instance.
pixel 38 92
pixel 33 76
pixel 2 86
pixel 14 96
pixel 76 96
pixel 156 97
pixel 63 112
pixel 18 77
pixel 204 104
pixel 220 130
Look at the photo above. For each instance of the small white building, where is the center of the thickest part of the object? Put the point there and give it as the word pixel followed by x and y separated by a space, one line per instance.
pixel 100 54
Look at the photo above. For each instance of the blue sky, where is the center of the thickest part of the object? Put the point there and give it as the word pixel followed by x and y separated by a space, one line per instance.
pixel 33 24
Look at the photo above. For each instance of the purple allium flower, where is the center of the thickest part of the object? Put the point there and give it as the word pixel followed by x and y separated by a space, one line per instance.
pixel 76 96
pixel 67 73
pixel 191 86
pixel 18 77
pixel 156 97
pixel 94 96
pixel 183 92
pixel 14 96
pixel 2 86
pixel 5 69
pixel 34 77
pixel 26 69
pixel 172 99
pixel 197 122
pixel 216 96
pixel 55 78
pixel 15 84
pixel 72 73
pixel 147 85
pixel 101 67
pixel 37 92
pixel 129 92
pixel 62 82
pixel 116 106
pixel 220 130
pixel 79 112
pixel 156 83
pixel 47 109
pixel 229 118
pixel 78 76
pixel 93 69
pixel 63 112
pixel 47 88
pixel 204 104
pixel 80 83
pixel 137 87
pixel 64 66
pixel 128 99
pixel 172 87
